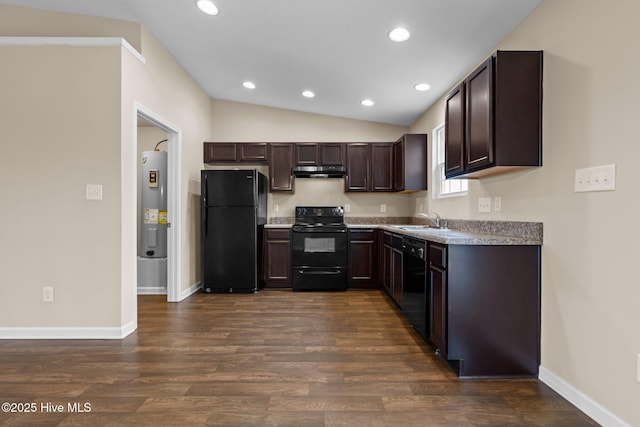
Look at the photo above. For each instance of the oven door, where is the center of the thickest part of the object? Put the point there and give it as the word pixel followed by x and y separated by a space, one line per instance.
pixel 319 248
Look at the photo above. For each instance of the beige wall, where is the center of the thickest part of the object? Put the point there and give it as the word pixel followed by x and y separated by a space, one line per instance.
pixel 21 21
pixel 74 118
pixel 238 122
pixel 590 290
pixel 60 118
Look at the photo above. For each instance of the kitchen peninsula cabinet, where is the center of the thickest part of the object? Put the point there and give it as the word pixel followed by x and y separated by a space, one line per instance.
pixel 276 258
pixel 232 152
pixel 280 166
pixel 362 258
pixel 485 308
pixel 493 119
pixel 369 167
pixel 410 163
pixel 323 153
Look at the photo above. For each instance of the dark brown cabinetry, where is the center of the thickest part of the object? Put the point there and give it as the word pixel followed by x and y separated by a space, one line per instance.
pixel 276 259
pixel 410 163
pixel 362 258
pixel 391 265
pixel 485 308
pixel 324 153
pixel 437 296
pixel 369 167
pixel 232 152
pixel 280 166
pixel 493 119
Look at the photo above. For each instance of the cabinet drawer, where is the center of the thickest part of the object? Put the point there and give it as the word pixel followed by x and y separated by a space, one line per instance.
pixel 365 235
pixel 438 255
pixel 277 233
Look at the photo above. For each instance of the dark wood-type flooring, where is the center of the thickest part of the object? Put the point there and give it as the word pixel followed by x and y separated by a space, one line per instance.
pixel 276 358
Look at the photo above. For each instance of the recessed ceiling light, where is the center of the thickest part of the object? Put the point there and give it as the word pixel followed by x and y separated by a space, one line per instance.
pixel 399 34
pixel 249 85
pixel 422 87
pixel 367 102
pixel 207 6
pixel 308 94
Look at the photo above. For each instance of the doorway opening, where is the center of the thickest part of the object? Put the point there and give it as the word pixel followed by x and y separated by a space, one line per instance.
pixel 173 147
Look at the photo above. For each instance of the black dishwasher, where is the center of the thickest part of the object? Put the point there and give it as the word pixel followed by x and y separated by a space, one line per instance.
pixel 414 283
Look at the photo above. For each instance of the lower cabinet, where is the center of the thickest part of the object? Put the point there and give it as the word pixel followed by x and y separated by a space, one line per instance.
pixel 363 272
pixel 276 259
pixel 485 308
pixel 391 265
pixel 437 294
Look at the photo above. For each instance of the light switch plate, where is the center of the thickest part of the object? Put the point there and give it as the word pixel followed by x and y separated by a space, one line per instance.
pixel 484 204
pixel 94 192
pixel 598 178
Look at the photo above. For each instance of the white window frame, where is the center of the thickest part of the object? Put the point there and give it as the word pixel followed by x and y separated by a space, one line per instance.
pixel 442 187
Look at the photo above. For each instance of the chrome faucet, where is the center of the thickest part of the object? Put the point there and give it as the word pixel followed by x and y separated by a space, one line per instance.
pixel 434 218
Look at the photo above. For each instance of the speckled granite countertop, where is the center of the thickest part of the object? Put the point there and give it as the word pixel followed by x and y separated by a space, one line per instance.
pixel 460 232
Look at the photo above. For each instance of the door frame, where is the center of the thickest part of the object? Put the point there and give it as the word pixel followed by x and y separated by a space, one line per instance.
pixel 174 196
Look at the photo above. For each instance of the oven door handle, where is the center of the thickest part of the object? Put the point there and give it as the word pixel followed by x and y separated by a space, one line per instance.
pixel 319 272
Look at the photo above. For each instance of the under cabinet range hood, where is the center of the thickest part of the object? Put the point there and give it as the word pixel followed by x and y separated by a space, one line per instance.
pixel 325 171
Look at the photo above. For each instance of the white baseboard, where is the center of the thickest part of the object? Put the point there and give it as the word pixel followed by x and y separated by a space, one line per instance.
pixel 586 404
pixel 192 290
pixel 152 290
pixel 88 333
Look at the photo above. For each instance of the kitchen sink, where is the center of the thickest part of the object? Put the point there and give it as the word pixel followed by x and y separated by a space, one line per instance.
pixel 415 227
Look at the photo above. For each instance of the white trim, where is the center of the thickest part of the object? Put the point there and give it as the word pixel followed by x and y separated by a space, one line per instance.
pixel 66 333
pixel 73 41
pixel 152 290
pixel 174 196
pixel 192 290
pixel 586 404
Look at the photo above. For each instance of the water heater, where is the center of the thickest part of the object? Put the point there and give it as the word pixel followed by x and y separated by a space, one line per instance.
pixel 153 205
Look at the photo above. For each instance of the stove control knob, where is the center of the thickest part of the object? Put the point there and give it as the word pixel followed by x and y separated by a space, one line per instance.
pixel 421 252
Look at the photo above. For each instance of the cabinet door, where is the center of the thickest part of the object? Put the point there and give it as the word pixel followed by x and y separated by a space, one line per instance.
pixel 215 152
pixel 438 308
pixel 398 169
pixel 331 154
pixel 454 129
pixel 479 116
pixel 252 152
pixel 362 265
pixel 382 167
pixel 277 258
pixel 306 154
pixel 280 165
pixel 437 259
pixel 396 273
pixel 358 159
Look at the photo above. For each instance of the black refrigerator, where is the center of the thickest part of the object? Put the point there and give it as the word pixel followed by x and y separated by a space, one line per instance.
pixel 234 211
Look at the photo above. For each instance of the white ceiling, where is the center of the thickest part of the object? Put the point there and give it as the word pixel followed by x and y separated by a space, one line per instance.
pixel 337 48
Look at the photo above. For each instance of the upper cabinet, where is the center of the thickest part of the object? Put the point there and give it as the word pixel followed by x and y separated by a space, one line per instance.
pixel 493 119
pixel 369 167
pixel 280 166
pixel 410 163
pixel 324 153
pixel 230 152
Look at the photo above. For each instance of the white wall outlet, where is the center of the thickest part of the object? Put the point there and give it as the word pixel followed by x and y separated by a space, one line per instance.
pixel 47 294
pixel 94 192
pixel 484 204
pixel 276 207
pixel 383 208
pixel 497 204
pixel 598 178
pixel 347 208
pixel 420 207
